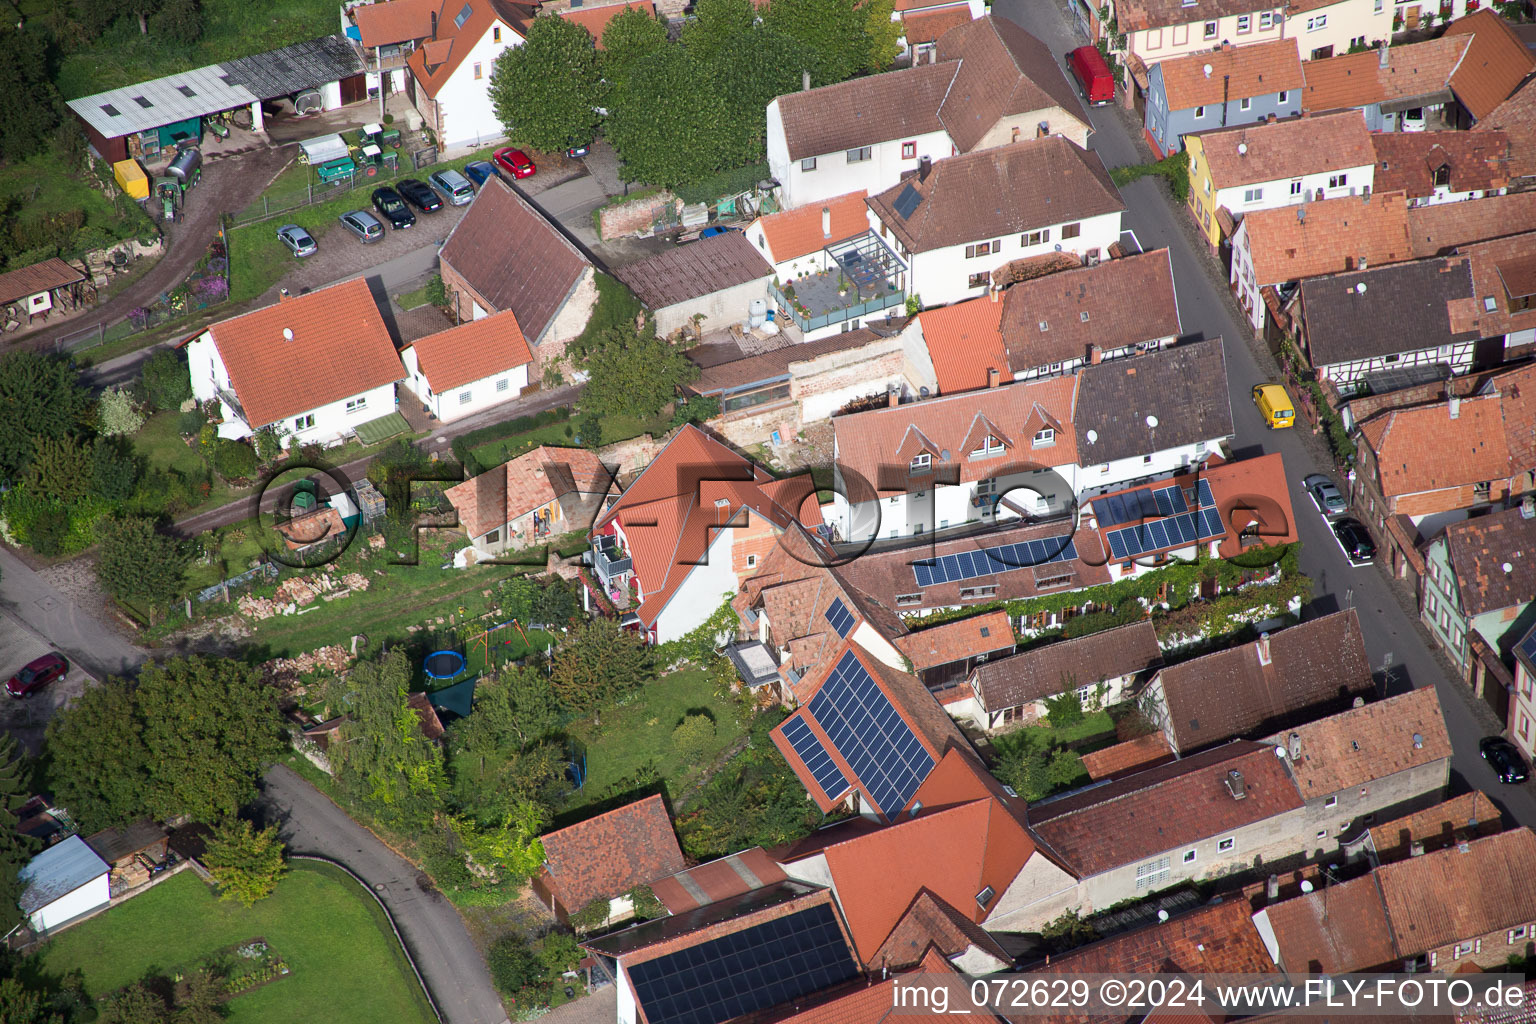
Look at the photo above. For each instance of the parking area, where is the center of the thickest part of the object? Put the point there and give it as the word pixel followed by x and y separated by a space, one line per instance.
pixel 26 718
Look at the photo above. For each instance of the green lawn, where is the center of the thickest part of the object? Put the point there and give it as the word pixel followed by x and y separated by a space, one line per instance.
pixel 413 299
pixel 231 28
pixel 615 428
pixel 641 731
pixel 257 260
pixel 346 964
pixel 35 187
pixel 161 445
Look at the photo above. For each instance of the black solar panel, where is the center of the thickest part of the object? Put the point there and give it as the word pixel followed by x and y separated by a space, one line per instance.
pixel 823 769
pixel 889 762
pixel 967 565
pixel 1528 645
pixel 745 971
pixel 840 617
pixel 1114 509
pixel 1178 527
pixel 907 202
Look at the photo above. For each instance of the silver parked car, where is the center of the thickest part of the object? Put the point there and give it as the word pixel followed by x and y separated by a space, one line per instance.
pixel 297 240
pixel 455 186
pixel 364 225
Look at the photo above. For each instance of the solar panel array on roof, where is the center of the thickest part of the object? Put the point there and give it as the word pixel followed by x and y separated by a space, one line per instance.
pixel 1528 645
pixel 988 561
pixel 823 769
pixel 840 617
pixel 746 971
pixel 1114 509
pixel 886 756
pixel 907 202
pixel 1176 528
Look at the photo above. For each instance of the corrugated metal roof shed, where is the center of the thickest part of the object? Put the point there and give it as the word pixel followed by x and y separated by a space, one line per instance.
pixel 306 65
pixel 59 871
pixel 138 108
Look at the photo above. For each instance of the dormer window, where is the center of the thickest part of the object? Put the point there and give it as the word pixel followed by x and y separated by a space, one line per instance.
pixel 1442 176
pixel 921 462
pixel 989 446
pixel 1044 437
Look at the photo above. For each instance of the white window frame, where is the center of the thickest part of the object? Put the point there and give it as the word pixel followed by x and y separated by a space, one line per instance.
pixel 1283 96
pixel 465 397
pixel 357 404
pixel 1296 187
pixel 1317 22
pixel 1152 873
pixel 1211 28
pixel 1191 855
pixel 1332 801
pixel 1227 845
pixel 305 422
pixel 808 164
pixel 989 446
pixel 920 462
pixel 1200 112
pixel 861 154
pixel 503 384
pixel 1244 23
pixel 1266 20
pixel 1246 103
pixel 1044 438
pixel 1253 195
pixel 1338 180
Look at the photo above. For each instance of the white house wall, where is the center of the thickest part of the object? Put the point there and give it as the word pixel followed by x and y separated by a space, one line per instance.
pixel 1294 191
pixel 701 591
pixel 90 896
pixel 834 175
pixel 468 118
pixel 1344 375
pixel 941 276
pixel 1159 44
pixel 720 309
pixel 1339 25
pixel 1103 477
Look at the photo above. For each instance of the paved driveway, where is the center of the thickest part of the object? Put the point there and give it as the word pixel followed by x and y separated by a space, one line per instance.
pixel 75 631
pixel 1394 640
pixel 25 718
pixel 433 932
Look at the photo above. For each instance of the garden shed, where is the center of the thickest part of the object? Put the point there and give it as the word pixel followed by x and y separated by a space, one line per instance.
pixel 40 289
pixel 66 881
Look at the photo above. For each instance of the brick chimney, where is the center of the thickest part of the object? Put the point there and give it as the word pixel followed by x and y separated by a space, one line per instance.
pixel 1263 648
pixel 924 168
pixel 1095 355
pixel 892 398
pixel 994 377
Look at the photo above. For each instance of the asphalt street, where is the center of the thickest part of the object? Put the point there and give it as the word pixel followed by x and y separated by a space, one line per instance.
pixel 454 971
pixel 37 605
pixel 1398 651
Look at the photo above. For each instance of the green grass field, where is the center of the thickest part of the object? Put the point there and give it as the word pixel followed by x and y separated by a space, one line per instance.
pixel 37 189
pixel 231 28
pixel 641 731
pixel 346 964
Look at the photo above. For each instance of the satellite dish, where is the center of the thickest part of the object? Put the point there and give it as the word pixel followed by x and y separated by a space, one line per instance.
pixel 1360 288
pixel 1093 437
pixel 1280 751
pixel 944 454
pixel 1242 149
pixel 1507 568
pixel 1162 915
pixel 1208 69
pixel 1306 886
pixel 287 333
pixel 1152 422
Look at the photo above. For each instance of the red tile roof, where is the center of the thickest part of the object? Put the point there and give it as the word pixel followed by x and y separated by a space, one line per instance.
pixel 340 348
pixel 1495 64
pixel 965 342
pixel 1494 559
pixel 1468 816
pixel 717 880
pixel 1218 938
pixel 926 26
pixel 595 19
pixel 1340 928
pixel 1250 154
pixel 1237 71
pixel 1165 808
pixel 538 282
pixel 1436 230
pixel 1292 242
pixel 1052 668
pixel 1357 79
pixel 397 21
pixel 1015 414
pixel 1114 305
pixel 532 480
pixel 673 510
pixel 930 922
pixel 1127 757
pixel 1359 746
pixel 1516 119
pixel 792 234
pixel 1425 448
pixel 1237 691
pixel 987 633
pixel 864 1001
pixel 951 849
pixel 1484 261
pixel 433 64
pixel 1408 161
pixel 472 351
pixel 607 856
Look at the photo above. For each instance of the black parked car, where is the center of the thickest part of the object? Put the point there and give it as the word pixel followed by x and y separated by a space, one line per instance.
pixel 1355 539
pixel 392 208
pixel 1504 757
pixel 419 194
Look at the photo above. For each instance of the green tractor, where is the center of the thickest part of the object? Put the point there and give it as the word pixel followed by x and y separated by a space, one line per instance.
pixel 168 192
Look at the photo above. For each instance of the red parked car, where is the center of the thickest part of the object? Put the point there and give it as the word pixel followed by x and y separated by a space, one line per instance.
pixel 1093 74
pixel 515 162
pixel 36 675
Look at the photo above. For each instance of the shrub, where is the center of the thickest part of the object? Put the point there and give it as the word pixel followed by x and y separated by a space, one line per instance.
pixel 513 965
pixel 1064 709
pixel 190 424
pixel 437 293
pixel 693 735
pixel 165 380
pixel 234 460
pixel 48 531
pixel 593 915
pixel 116 415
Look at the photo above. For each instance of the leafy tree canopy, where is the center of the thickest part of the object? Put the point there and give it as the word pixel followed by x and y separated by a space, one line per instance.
pixel 100 764
pixel 547 91
pixel 40 395
pixel 246 862
pixel 835 31
pixel 634 374
pixel 137 561
pixel 29 104
pixel 598 665
pixel 669 126
pixel 632 35
pixel 164 379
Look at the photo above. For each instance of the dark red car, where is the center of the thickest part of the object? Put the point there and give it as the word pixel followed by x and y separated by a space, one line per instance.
pixel 36 675
pixel 515 162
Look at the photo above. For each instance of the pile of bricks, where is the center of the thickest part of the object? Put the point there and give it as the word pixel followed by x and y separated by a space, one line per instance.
pixel 285 673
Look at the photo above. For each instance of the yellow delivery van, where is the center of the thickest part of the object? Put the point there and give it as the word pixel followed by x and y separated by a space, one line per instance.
pixel 1274 405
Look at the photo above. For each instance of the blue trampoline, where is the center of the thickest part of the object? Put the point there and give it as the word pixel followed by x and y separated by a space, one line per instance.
pixel 443 664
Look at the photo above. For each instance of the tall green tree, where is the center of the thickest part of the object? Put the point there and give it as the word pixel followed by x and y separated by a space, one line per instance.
pixel 836 31
pixel 501 755
pixel 179 21
pixel 716 26
pixel 634 374
pixel 884 32
pixel 753 67
pixel 246 862
pixel 598 665
pixel 138 562
pixel 15 849
pixel 60 468
pixel 633 35
pixel 29 104
pixel 547 91
pixel 379 754
pixel 40 395
pixel 164 379
pixel 211 727
pixel 669 126
pixel 115 470
pixel 100 764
